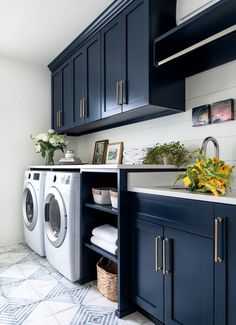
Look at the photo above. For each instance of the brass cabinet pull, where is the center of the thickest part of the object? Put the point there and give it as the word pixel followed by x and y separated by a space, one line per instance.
pixel 117 93
pixel 164 272
pixel 218 259
pixel 121 92
pixel 60 118
pixel 124 92
pixel 85 107
pixel 158 268
pixel 57 119
pixel 80 109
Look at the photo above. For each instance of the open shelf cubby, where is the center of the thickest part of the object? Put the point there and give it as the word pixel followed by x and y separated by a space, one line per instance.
pixel 104 208
pixel 102 252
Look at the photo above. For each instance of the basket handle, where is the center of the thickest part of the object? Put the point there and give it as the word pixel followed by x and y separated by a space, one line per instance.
pixel 108 261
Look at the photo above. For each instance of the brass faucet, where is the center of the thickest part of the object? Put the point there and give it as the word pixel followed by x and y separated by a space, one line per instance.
pixel 216 145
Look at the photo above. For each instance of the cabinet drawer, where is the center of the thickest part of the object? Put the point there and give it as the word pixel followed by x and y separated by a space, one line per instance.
pixel 188 215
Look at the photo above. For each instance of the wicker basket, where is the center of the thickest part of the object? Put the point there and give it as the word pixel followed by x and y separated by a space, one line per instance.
pixel 107 279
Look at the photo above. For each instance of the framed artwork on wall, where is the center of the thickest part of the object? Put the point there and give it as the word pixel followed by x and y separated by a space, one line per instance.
pixel 100 150
pixel 222 111
pixel 114 153
pixel 201 115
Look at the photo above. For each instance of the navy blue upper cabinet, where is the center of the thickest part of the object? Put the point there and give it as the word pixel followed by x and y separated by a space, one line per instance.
pixel 111 68
pixel 86 83
pixel 62 113
pixel 114 81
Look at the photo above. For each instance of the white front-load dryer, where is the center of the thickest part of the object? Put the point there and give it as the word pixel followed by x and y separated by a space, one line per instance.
pixel 32 210
pixel 62 222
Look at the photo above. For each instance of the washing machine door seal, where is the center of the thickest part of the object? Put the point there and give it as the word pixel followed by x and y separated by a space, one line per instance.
pixel 55 217
pixel 30 207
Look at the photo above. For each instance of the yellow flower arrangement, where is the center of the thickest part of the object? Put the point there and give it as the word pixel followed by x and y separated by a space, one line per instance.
pixel 207 175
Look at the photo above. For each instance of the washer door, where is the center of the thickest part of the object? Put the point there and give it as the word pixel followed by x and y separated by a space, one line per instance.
pixel 30 207
pixel 55 217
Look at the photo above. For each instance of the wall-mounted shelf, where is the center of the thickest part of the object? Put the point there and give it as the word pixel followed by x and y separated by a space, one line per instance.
pixel 213 20
pixel 104 208
pixel 101 251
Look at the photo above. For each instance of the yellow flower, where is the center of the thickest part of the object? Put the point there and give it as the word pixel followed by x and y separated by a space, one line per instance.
pixel 199 165
pixel 186 181
pixel 215 160
pixel 225 170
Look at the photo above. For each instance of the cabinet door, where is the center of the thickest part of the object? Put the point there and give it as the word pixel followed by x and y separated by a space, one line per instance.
pixel 56 98
pixel 92 100
pixel 135 55
pixel 79 69
pixel 66 113
pixel 111 67
pixel 189 285
pixel 148 281
pixel 225 281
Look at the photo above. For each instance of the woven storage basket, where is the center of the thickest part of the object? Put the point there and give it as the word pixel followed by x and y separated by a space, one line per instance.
pixel 107 278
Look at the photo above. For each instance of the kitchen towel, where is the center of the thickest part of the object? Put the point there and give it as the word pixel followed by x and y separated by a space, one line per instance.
pixel 104 245
pixel 107 233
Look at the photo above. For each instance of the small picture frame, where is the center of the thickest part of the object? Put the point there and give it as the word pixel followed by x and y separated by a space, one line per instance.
pixel 100 151
pixel 114 153
pixel 201 115
pixel 222 111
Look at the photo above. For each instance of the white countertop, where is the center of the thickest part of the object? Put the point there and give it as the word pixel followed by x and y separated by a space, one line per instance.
pixel 229 198
pixel 105 166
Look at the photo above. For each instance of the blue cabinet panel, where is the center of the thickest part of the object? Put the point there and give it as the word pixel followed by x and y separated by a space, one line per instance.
pixel 66 117
pixel 148 281
pixel 111 67
pixel 189 286
pixel 135 59
pixel 78 64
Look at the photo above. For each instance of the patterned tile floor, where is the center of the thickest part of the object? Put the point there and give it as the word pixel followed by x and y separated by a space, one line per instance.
pixel 33 292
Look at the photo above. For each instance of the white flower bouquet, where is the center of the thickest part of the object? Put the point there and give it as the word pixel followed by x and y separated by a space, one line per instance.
pixel 47 143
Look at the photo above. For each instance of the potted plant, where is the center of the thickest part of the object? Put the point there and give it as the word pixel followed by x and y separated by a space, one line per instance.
pixel 173 153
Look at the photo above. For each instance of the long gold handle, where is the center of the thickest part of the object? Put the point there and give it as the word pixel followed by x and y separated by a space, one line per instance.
pixel 124 92
pixel 85 107
pixel 164 256
pixel 80 109
pixel 117 93
pixel 121 92
pixel 218 259
pixel 57 120
pixel 60 118
pixel 158 268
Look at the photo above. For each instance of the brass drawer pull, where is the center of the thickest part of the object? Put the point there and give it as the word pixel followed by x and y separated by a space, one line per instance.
pixel 124 92
pixel 217 258
pixel 117 93
pixel 164 271
pixel 121 92
pixel 158 267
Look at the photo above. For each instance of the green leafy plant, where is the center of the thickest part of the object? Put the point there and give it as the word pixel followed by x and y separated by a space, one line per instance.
pixel 169 153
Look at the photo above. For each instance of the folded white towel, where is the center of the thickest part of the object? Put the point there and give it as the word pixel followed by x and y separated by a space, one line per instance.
pixel 107 232
pixel 104 245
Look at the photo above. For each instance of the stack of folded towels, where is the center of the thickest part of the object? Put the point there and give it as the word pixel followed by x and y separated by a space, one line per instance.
pixel 106 237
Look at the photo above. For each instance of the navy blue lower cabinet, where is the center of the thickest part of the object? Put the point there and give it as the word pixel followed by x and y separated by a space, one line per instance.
pixel 184 260
pixel 225 265
pixel 188 293
pixel 148 278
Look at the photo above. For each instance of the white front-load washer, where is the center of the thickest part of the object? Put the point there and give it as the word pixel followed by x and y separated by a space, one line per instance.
pixel 32 209
pixel 62 222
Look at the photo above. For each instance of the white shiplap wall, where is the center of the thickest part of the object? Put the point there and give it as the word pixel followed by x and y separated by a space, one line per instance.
pixel 205 88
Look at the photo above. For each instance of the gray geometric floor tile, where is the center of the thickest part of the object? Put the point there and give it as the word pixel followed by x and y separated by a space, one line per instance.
pixel 15 311
pixel 33 292
pixel 92 315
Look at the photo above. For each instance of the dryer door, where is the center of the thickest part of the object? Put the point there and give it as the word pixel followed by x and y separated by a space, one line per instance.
pixel 55 217
pixel 30 207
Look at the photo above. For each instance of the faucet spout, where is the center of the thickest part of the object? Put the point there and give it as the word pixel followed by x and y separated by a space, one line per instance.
pixel 216 145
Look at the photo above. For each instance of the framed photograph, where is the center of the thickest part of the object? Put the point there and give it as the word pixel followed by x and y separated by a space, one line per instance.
pixel 201 115
pixel 222 111
pixel 114 153
pixel 100 151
